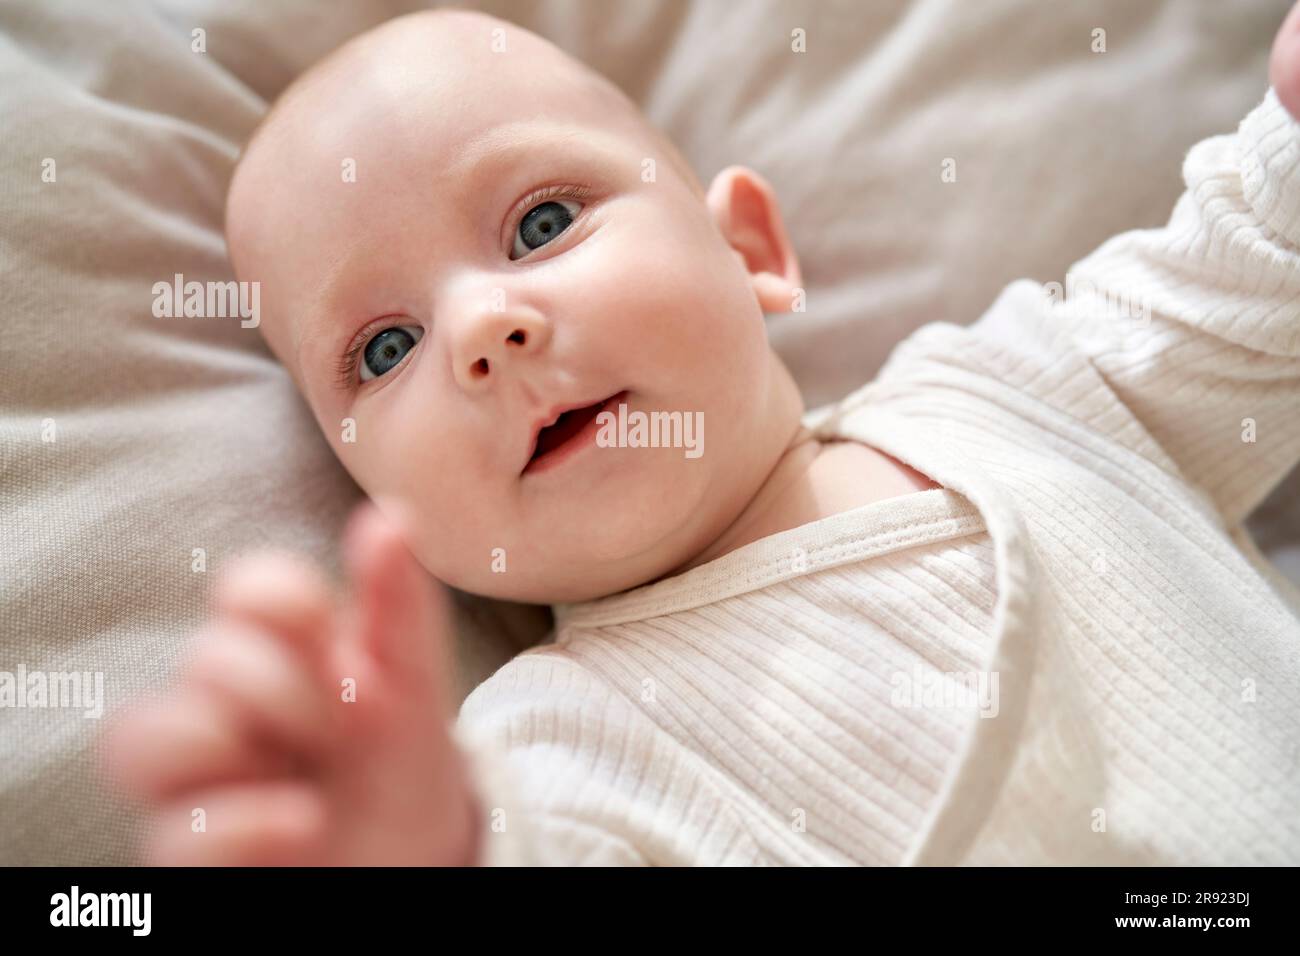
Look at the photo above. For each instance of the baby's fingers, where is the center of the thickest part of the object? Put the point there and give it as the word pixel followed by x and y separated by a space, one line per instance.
pixel 158 750
pixel 265 688
pixel 1284 64
pixel 283 823
pixel 283 596
pixel 400 616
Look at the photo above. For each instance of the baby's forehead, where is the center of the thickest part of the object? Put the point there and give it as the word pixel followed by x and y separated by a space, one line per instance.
pixel 368 114
pixel 451 72
pixel 425 84
pixel 429 96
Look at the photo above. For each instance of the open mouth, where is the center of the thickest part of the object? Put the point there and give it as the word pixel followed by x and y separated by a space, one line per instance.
pixel 567 434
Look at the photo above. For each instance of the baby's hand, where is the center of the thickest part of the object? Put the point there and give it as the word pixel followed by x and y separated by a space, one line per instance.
pixel 304 733
pixel 1284 64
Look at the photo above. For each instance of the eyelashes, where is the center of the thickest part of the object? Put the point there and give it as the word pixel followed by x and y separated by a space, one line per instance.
pixel 537 197
pixel 346 369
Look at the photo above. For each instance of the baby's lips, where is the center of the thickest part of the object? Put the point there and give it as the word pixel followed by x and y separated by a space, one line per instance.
pixel 542 423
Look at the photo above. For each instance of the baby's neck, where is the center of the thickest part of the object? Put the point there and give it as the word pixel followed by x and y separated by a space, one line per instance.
pixel 813 479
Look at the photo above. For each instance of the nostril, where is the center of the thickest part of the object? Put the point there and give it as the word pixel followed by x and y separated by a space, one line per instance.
pixel 517 336
pixel 480 367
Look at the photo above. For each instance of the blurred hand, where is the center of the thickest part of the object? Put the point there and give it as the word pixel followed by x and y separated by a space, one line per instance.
pixel 262 736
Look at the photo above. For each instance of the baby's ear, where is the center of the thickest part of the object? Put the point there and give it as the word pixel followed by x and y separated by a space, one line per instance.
pixel 745 207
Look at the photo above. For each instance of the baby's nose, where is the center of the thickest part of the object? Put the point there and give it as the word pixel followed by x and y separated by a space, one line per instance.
pixel 490 342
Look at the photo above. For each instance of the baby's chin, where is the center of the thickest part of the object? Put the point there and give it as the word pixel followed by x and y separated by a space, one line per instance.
pixel 575 573
pixel 564 581
pixel 550 593
pixel 548 590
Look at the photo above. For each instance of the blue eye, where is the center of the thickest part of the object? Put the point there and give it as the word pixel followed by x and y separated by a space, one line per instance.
pixel 543 223
pixel 387 349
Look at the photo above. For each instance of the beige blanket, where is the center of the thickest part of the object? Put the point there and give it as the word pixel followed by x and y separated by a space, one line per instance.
pixel 138 454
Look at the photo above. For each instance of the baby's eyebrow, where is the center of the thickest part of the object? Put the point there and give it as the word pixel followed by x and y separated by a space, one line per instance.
pixel 482 156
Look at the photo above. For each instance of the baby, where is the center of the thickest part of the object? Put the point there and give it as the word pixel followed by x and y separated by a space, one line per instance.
pixel 995 606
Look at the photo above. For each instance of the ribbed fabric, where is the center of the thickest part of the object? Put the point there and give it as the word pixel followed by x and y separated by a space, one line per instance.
pixel 762 682
pixel 1082 553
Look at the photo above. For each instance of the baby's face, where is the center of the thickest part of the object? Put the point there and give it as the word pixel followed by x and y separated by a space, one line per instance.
pixel 457 243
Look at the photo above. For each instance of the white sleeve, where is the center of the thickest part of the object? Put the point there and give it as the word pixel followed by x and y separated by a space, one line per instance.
pixel 568 772
pixel 1196 325
pixel 514 831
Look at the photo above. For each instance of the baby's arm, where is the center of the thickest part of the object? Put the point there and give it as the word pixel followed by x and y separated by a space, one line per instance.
pixel 1196 325
pixel 571 771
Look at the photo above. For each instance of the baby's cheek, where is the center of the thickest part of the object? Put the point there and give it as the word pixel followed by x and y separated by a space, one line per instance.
pixel 385 460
